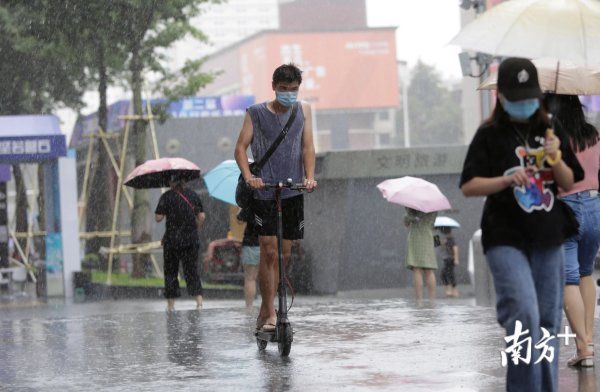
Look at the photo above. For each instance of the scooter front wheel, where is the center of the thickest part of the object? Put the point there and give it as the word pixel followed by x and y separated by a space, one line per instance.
pixel 286 338
pixel 262 344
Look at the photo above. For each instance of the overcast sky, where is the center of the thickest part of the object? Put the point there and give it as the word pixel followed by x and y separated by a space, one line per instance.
pixel 424 29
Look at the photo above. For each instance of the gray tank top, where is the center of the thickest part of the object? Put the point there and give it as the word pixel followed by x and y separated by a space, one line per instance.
pixel 286 162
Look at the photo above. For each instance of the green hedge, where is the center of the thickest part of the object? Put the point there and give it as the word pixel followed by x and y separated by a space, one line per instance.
pixel 126 280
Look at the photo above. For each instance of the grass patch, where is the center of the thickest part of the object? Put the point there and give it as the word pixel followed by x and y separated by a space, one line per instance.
pixel 128 281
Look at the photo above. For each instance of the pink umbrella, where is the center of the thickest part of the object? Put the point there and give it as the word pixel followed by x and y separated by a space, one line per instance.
pixel 414 193
pixel 157 173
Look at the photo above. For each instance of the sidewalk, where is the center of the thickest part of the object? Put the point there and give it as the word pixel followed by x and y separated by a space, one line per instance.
pixel 373 340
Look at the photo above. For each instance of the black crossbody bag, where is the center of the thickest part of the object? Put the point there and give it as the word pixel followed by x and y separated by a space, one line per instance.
pixel 243 192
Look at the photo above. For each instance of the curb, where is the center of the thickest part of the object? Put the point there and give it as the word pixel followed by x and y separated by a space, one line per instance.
pixel 99 291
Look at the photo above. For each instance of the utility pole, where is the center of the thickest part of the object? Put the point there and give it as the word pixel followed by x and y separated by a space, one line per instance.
pixel 404 76
pixel 482 62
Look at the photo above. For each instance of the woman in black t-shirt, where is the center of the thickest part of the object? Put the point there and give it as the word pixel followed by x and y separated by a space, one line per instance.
pixel 183 209
pixel 518 162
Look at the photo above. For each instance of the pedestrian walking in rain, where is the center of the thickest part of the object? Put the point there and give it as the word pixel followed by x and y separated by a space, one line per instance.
pixel 183 209
pixel 293 159
pixel 448 250
pixel 420 254
pixel 580 249
pixel 250 256
pixel 518 163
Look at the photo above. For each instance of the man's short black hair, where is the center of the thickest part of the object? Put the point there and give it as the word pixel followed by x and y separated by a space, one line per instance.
pixel 287 73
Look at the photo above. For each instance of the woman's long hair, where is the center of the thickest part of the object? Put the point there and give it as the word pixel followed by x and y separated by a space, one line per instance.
pixel 499 116
pixel 568 110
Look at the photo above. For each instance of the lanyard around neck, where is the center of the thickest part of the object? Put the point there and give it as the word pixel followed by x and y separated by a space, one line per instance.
pixel 519 136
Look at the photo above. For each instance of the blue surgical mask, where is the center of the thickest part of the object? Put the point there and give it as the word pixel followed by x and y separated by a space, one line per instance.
pixel 286 98
pixel 521 110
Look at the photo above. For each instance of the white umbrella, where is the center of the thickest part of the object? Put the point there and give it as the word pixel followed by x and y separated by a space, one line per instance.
pixel 444 221
pixel 571 79
pixel 566 30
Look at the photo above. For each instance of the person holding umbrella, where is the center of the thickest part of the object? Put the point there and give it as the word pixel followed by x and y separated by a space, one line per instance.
pixel 420 255
pixel 448 252
pixel 185 216
pixel 449 256
pixel 518 163
pixel 422 200
pixel 183 209
pixel 580 249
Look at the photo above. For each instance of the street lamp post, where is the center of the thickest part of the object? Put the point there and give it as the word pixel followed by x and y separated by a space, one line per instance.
pixel 404 76
pixel 482 60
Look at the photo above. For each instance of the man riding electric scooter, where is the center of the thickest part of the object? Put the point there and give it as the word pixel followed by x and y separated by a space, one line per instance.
pixel 281 130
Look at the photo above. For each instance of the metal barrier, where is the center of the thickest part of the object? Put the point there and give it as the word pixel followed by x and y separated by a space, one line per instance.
pixel 485 294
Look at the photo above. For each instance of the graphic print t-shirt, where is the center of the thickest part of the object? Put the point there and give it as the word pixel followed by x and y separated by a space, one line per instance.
pixel 524 217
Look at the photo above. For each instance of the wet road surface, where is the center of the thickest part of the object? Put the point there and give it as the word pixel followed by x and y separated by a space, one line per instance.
pixel 343 343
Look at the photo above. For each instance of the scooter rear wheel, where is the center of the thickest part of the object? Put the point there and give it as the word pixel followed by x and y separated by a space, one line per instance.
pixel 285 344
pixel 262 344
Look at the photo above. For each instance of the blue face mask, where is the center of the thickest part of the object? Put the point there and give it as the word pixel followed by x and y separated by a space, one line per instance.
pixel 286 98
pixel 521 110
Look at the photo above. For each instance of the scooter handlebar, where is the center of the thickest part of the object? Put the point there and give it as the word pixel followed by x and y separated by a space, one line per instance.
pixel 289 184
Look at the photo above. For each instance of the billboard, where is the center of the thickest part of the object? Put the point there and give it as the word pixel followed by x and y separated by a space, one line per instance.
pixel 32 148
pixel 341 70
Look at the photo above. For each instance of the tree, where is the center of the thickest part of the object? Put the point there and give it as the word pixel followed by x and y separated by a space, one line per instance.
pixel 57 49
pixel 114 36
pixel 95 31
pixel 38 72
pixel 153 25
pixel 434 112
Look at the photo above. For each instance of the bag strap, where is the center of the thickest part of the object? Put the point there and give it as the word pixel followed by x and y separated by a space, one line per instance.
pixel 187 201
pixel 259 165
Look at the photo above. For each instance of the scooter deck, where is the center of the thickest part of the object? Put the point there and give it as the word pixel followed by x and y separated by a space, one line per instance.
pixel 269 336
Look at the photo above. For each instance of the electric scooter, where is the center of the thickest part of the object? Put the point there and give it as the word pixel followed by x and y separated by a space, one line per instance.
pixel 283 333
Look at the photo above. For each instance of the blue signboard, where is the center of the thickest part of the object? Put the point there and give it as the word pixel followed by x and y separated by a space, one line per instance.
pixel 188 107
pixel 210 106
pixel 5 174
pixel 32 148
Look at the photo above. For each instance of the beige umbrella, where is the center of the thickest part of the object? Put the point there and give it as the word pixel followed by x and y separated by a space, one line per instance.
pixel 565 30
pixel 570 79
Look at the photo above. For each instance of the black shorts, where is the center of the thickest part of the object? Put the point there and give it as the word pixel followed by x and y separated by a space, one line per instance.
pixel 265 216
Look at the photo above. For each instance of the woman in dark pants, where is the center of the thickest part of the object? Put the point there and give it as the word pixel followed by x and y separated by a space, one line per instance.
pixel 518 163
pixel 183 209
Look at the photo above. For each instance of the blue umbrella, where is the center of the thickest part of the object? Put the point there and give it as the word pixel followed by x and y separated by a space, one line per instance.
pixel 222 180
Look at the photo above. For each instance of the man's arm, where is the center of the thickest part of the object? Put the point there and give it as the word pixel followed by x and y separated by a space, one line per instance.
pixel 241 156
pixel 308 149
